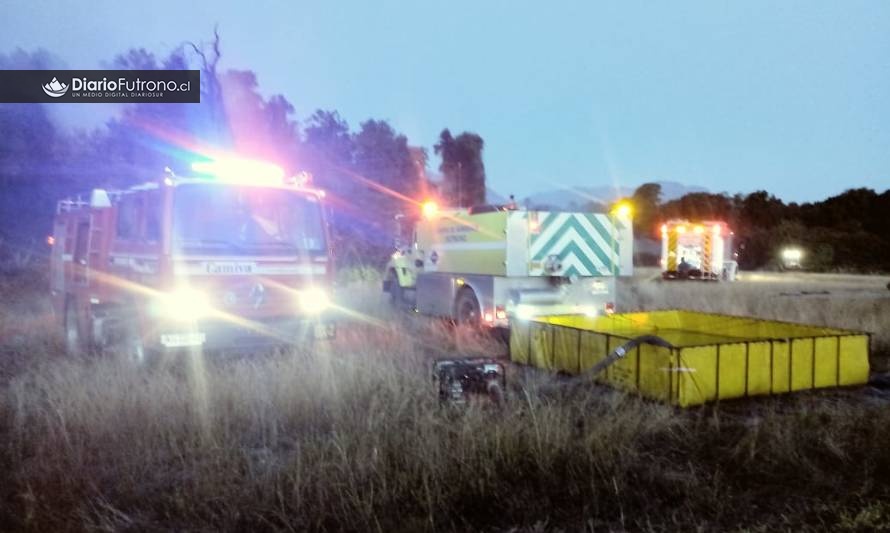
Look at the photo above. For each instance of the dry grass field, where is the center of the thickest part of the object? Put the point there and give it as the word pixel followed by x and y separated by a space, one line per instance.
pixel 349 435
pixel 846 301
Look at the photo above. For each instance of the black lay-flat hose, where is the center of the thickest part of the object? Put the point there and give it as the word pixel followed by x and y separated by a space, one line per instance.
pixel 621 351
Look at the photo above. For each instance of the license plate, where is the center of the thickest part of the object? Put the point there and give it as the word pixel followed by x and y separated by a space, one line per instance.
pixel 181 340
pixel 324 331
pixel 598 287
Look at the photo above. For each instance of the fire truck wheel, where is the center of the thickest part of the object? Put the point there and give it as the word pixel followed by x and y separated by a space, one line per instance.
pixel 135 351
pixel 466 309
pixel 74 344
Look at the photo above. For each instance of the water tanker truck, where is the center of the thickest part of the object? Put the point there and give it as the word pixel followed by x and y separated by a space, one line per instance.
pixel 489 265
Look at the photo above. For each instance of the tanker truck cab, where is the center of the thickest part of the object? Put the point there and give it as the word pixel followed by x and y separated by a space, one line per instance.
pixel 400 278
pixel 232 255
pixel 489 265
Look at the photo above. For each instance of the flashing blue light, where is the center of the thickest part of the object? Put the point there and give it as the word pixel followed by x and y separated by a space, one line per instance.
pixel 241 171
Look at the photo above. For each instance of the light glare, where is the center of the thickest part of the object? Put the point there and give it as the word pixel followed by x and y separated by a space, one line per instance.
pixel 792 254
pixel 313 300
pixel 430 209
pixel 525 312
pixel 241 170
pixel 622 209
pixel 183 304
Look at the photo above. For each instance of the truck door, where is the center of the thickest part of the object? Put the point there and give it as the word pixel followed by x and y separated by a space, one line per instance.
pixel 57 257
pixel 81 248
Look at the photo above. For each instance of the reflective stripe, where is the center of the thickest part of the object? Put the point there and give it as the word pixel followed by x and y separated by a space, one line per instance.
pixel 671 251
pixel 241 268
pixel 490 245
pixel 139 263
pixel 247 258
pixel 706 256
pixel 133 256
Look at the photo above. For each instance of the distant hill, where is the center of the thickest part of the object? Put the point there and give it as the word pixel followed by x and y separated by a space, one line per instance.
pixel 493 197
pixel 575 197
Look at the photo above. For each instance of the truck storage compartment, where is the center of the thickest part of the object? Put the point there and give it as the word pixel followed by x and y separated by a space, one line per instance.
pixel 714 357
pixel 516 243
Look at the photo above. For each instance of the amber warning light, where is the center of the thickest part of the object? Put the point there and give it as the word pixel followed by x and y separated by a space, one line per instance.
pixel 429 209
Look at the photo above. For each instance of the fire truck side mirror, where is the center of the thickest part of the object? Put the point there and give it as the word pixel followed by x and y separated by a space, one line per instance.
pixel 99 198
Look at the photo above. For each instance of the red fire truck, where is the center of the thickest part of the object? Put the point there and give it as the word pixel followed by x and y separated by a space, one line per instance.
pixel 232 255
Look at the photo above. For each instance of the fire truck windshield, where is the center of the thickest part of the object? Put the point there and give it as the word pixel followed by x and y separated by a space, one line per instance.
pixel 246 220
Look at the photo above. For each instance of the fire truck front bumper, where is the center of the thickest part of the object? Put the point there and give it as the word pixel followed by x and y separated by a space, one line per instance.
pixel 243 333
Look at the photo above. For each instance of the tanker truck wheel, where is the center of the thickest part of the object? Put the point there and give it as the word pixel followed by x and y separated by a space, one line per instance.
pixel 466 309
pixel 396 295
pixel 468 334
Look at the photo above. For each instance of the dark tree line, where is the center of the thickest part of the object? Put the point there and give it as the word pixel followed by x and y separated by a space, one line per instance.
pixel 850 231
pixel 370 173
pixel 462 169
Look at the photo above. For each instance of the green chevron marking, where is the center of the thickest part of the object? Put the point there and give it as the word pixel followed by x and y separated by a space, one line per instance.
pixel 608 237
pixel 573 248
pixel 570 224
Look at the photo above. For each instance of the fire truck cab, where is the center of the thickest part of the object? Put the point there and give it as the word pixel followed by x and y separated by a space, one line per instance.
pixel 232 255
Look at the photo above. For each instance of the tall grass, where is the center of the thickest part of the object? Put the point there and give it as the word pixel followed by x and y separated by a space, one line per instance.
pixel 349 435
pixel 859 303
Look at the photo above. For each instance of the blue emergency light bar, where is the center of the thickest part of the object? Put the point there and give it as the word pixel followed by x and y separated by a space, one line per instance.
pixel 252 172
pixel 241 170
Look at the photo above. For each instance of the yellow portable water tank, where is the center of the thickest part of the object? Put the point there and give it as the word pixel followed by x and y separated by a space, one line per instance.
pixel 713 357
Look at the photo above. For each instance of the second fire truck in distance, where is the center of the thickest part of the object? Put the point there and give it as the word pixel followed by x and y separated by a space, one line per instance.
pixel 697 251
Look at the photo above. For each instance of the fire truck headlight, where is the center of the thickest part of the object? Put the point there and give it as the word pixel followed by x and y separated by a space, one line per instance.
pixel 525 312
pixel 183 304
pixel 313 300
